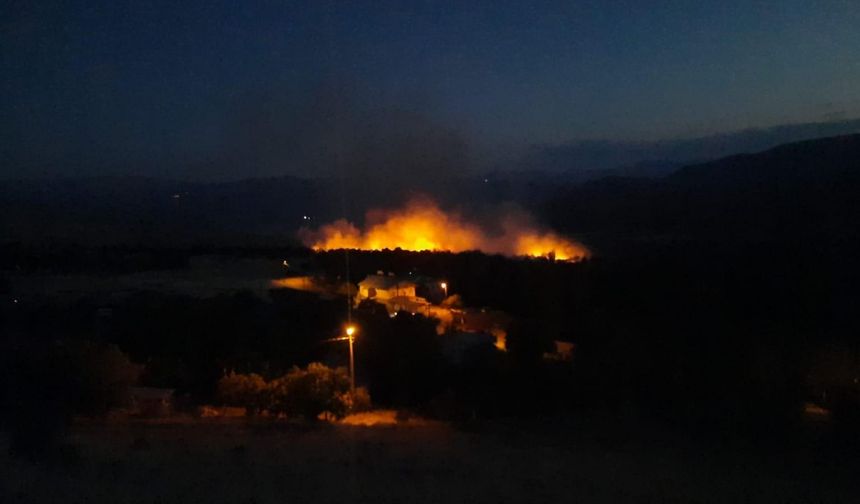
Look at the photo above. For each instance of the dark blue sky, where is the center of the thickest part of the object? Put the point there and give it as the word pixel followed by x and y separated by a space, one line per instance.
pixel 187 88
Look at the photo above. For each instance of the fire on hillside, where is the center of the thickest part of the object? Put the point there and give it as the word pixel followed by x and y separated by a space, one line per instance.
pixel 421 225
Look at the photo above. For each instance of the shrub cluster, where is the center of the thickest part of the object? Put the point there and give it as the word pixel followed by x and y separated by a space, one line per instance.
pixel 307 393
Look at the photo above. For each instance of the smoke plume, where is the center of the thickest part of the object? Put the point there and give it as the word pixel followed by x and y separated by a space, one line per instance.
pixel 422 225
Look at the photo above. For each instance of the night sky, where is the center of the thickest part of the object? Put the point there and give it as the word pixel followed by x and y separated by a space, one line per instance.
pixel 230 89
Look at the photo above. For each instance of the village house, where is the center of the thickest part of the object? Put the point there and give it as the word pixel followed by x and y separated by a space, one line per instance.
pixel 397 294
pixel 381 287
pixel 400 294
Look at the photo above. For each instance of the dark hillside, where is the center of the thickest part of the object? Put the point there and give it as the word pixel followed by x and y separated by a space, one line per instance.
pixel 806 190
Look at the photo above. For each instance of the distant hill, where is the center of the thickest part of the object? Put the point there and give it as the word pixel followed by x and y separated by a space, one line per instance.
pixel 805 189
pixel 590 159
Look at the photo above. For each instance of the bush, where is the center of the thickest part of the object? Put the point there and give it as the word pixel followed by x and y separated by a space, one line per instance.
pixel 305 392
pixel 246 391
pixel 357 401
pixel 310 392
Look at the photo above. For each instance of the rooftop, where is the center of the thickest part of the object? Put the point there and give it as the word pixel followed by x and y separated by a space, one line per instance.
pixel 385 282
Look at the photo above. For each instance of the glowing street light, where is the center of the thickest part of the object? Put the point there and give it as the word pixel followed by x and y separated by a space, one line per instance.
pixel 444 286
pixel 350 336
pixel 350 331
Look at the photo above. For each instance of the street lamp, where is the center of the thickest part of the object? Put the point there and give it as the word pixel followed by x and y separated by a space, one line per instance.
pixel 444 286
pixel 350 331
pixel 350 336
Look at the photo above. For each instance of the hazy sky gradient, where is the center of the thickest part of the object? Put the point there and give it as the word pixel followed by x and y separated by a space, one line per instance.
pixel 152 87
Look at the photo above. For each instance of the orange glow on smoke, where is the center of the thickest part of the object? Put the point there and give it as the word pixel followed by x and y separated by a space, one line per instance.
pixel 422 225
pixel 549 245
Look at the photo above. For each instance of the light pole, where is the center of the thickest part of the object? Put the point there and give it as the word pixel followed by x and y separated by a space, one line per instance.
pixel 350 336
pixel 444 286
pixel 350 331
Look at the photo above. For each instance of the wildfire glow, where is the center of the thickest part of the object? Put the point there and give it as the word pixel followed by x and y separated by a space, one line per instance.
pixel 422 225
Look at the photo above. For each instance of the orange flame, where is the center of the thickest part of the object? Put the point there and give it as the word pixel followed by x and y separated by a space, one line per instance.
pixel 422 225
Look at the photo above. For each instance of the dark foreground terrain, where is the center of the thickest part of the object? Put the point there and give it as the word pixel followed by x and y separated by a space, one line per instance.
pixel 539 461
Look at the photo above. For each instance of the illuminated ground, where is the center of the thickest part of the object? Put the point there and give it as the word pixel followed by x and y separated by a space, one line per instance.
pixel 500 462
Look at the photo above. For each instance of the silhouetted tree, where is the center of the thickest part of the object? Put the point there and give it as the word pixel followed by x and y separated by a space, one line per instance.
pixel 246 391
pixel 310 392
pixel 103 376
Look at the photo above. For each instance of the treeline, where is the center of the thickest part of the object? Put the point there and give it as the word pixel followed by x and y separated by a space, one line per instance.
pixel 73 256
pixel 527 288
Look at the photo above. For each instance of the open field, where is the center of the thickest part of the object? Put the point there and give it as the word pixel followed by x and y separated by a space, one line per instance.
pixel 206 276
pixel 235 462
